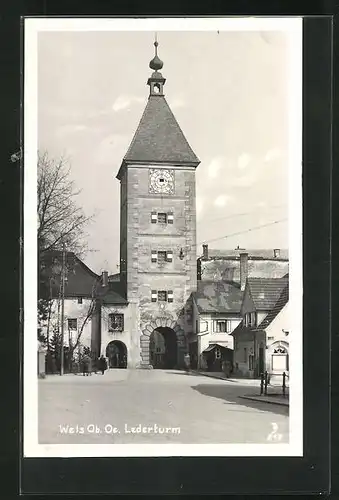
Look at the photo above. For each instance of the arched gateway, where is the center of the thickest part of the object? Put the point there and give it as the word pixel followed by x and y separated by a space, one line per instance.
pixel 163 348
pixel 116 352
pixel 163 344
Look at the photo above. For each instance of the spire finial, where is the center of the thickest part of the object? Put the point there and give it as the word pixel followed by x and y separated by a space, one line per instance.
pixel 156 43
pixel 156 63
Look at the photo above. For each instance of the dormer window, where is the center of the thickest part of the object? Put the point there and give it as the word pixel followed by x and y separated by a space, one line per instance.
pixel 251 319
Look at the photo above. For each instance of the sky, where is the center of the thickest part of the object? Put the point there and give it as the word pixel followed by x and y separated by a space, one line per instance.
pixel 228 91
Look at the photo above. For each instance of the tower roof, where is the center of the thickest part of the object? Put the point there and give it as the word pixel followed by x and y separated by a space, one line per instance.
pixel 159 137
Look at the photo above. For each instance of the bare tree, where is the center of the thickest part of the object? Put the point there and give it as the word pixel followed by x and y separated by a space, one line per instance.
pixel 61 221
pixel 91 309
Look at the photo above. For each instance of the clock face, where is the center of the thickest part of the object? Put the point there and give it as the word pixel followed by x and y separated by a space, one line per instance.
pixel 161 181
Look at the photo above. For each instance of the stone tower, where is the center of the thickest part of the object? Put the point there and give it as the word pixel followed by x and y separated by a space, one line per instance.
pixel 158 267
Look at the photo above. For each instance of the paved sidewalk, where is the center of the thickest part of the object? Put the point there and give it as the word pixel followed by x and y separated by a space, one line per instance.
pixel 222 376
pixel 273 399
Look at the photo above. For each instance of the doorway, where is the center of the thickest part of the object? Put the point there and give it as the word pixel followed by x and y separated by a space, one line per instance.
pixel 116 352
pixel 261 365
pixel 163 348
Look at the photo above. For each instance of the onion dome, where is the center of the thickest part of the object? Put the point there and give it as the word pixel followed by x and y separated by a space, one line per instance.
pixel 156 63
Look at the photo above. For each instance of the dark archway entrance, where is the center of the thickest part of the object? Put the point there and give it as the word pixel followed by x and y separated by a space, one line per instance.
pixel 116 352
pixel 163 348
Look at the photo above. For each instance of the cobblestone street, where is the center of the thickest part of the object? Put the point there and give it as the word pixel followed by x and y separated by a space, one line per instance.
pixel 154 406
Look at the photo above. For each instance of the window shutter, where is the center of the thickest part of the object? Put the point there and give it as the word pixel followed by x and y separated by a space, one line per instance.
pixel 170 218
pixel 228 326
pixel 169 256
pixel 154 296
pixel 215 326
pixel 154 256
pixel 154 217
pixel 170 296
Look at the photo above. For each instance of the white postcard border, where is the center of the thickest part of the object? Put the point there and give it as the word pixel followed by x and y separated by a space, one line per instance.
pixel 292 26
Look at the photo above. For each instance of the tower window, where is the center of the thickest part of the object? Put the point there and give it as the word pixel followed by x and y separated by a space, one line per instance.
pixel 162 218
pixel 162 296
pixel 162 257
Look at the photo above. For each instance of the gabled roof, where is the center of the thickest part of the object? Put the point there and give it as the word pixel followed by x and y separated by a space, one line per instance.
pixel 112 294
pixel 279 305
pixel 218 297
pixel 81 281
pixel 265 291
pixel 242 329
pixel 114 277
pixel 159 137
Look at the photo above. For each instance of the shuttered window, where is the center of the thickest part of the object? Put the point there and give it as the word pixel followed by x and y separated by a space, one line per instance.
pixel 162 296
pixel 221 326
pixel 162 218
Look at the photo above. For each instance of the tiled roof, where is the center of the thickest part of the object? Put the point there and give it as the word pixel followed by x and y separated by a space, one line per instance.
pixel 112 295
pixel 242 329
pixel 218 297
pixel 81 281
pixel 229 269
pixel 282 300
pixel 265 291
pixel 273 313
pixel 264 254
pixel 114 277
pixel 159 138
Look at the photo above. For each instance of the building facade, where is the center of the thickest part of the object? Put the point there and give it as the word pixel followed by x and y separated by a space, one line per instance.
pixel 216 313
pixel 260 340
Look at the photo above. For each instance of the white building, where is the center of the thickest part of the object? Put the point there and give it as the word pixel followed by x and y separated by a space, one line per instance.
pixel 261 339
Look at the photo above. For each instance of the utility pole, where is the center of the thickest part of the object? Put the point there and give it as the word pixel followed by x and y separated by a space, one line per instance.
pixel 62 308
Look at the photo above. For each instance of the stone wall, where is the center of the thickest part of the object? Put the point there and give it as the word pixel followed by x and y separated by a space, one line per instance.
pixel 140 236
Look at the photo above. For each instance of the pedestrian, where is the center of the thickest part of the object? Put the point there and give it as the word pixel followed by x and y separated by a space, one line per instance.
pixel 187 362
pixel 102 363
pixel 86 365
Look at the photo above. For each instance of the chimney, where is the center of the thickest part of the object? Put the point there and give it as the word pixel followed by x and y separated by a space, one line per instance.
pixel 104 278
pixel 243 270
pixel 276 253
pixel 205 252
